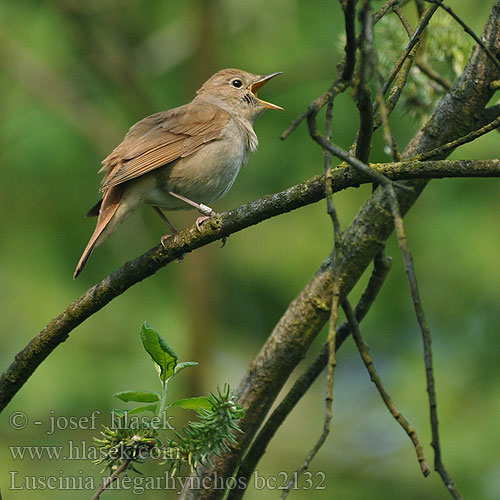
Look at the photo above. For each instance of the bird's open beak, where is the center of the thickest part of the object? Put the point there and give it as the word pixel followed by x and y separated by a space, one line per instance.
pixel 256 86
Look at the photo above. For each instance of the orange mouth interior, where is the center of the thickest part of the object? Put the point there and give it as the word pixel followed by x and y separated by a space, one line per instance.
pixel 256 86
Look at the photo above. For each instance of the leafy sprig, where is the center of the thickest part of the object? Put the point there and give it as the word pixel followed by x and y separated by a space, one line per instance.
pixel 138 438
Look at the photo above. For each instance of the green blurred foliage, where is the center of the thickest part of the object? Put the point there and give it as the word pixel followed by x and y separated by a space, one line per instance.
pixel 75 76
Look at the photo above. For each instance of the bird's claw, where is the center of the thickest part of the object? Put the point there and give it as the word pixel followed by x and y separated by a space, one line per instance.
pixel 200 221
pixel 203 218
pixel 164 238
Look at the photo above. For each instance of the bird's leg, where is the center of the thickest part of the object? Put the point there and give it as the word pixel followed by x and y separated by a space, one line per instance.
pixel 204 209
pixel 163 216
pixel 169 224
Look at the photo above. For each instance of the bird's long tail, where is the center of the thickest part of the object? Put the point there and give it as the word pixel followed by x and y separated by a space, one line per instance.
pixel 109 206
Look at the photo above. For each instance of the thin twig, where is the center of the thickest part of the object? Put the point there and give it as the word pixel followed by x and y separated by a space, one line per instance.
pixel 431 73
pixel 337 257
pixel 332 330
pixel 345 69
pixel 406 25
pixel 339 85
pixel 337 88
pixel 398 86
pixel 388 106
pixel 385 9
pixel 330 207
pixel 425 68
pixel 450 146
pixel 364 352
pixel 468 30
pixel 351 160
pixel 402 77
pixel 341 153
pixel 426 17
pixel 398 222
pixel 383 116
pixel 109 480
pixel 363 99
pixel 363 95
pixel 349 8
pixel 426 336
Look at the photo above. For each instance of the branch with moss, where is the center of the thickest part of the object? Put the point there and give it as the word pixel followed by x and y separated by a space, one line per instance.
pixel 305 193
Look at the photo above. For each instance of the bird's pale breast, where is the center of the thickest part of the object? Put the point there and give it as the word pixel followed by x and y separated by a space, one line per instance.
pixel 207 174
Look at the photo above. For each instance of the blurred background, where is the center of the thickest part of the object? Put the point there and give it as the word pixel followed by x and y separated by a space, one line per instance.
pixel 74 77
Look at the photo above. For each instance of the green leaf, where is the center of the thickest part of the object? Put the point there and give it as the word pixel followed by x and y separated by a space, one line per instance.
pixel 184 364
pixel 201 402
pixel 163 355
pixel 140 409
pixel 138 396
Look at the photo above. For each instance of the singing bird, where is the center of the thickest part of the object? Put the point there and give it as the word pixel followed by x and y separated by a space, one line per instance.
pixel 183 157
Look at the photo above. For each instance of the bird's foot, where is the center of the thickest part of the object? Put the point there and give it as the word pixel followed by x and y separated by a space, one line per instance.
pixel 203 218
pixel 164 238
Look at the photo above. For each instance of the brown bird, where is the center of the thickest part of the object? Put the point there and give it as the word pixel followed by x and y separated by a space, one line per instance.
pixel 183 157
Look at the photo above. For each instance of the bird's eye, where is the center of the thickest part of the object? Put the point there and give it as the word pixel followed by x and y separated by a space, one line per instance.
pixel 237 83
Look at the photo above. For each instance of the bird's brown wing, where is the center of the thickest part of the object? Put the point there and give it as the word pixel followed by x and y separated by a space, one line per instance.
pixel 163 138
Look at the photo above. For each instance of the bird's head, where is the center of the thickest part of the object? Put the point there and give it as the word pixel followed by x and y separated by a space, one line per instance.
pixel 235 91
